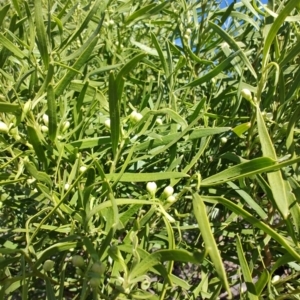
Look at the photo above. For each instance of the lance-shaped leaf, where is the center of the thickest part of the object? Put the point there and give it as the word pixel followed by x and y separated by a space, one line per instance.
pixel 209 240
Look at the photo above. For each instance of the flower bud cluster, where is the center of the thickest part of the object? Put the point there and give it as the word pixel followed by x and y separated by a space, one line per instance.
pixel 135 117
pixel 167 194
pixel 64 127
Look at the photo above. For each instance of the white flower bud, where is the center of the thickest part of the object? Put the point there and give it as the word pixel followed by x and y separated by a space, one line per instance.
pixel 67 186
pixel 223 140
pixel 44 128
pixel 186 37
pixel 138 117
pixel 3 127
pixel 171 199
pixel 107 123
pixel 111 22
pixel 135 116
pixel 82 169
pixel 159 121
pixel 65 126
pixel 275 278
pixel 246 94
pixel 269 115
pixel 46 119
pixel 168 191
pixel 132 115
pixel 151 188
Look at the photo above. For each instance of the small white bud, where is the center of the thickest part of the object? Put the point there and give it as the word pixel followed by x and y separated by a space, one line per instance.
pixel 223 140
pixel 168 191
pixel 65 126
pixel 246 94
pixel 107 123
pixel 138 117
pixel 44 128
pixel 67 186
pixel 269 115
pixel 275 278
pixel 82 169
pixel 135 116
pixel 171 199
pixel 151 188
pixel 3 127
pixel 186 37
pixel 46 119
pixel 111 22
pixel 159 121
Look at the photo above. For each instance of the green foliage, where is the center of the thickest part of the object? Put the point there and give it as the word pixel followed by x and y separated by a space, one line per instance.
pixel 98 99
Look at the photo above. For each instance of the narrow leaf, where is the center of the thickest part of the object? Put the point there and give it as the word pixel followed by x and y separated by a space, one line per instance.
pixel 254 166
pixel 245 270
pixel 34 137
pixel 274 29
pixel 286 244
pixel 144 177
pixel 161 256
pixel 87 50
pixel 275 178
pixel 233 44
pixel 51 113
pixel 41 32
pixel 11 47
pixel 114 113
pixel 9 107
pixel 213 73
pixel 209 240
pixel 40 176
